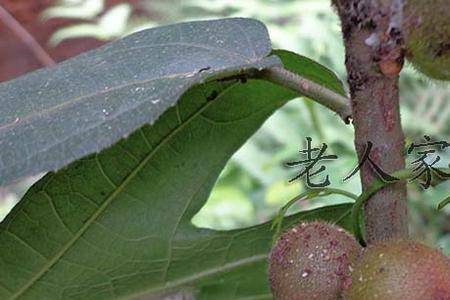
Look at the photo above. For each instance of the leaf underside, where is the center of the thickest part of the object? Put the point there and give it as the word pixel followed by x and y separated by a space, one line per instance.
pixel 56 115
pixel 117 224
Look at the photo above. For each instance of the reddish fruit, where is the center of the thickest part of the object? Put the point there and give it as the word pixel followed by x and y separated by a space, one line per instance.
pixel 400 269
pixel 312 261
pixel 427 30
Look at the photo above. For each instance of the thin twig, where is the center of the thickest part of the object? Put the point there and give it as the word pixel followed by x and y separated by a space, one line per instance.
pixel 308 88
pixel 17 28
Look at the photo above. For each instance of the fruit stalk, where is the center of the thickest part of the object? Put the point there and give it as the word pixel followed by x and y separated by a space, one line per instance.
pixel 374 58
pixel 305 87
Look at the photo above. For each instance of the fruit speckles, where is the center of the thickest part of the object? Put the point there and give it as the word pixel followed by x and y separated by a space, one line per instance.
pixel 312 261
pixel 400 269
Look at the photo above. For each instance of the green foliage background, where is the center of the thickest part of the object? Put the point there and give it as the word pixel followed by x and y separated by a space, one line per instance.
pixel 254 183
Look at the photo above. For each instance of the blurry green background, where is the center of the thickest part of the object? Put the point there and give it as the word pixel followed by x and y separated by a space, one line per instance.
pixel 254 184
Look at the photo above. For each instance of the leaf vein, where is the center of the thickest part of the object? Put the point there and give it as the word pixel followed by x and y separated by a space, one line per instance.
pixel 102 207
pixel 55 212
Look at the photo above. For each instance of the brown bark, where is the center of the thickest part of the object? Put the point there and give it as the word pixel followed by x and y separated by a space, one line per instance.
pixel 374 57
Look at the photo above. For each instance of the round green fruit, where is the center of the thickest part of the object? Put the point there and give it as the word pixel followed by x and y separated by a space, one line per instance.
pixel 400 269
pixel 312 261
pixel 427 35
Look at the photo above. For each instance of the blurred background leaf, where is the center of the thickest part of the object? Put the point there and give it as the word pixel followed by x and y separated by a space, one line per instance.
pixel 254 184
pixel 102 29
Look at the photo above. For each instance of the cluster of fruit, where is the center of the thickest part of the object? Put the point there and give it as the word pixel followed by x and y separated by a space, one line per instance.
pixel 319 261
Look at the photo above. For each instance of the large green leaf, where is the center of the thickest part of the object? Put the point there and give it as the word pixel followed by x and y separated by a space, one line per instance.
pixel 56 115
pixel 116 225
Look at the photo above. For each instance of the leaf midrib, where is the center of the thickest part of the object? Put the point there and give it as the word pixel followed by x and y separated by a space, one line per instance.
pixel 119 189
pixel 55 108
pixel 168 76
pixel 172 285
pixel 181 282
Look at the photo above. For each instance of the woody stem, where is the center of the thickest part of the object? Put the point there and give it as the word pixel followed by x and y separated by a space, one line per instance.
pixel 375 107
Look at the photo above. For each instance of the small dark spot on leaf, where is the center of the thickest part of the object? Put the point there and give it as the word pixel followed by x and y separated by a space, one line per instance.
pixel 213 96
pixel 204 69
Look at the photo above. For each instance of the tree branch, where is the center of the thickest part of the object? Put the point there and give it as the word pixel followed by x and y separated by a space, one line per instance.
pixel 310 89
pixel 39 52
pixel 374 57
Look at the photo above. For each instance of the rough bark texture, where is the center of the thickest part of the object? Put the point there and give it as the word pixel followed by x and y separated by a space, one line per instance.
pixel 374 57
